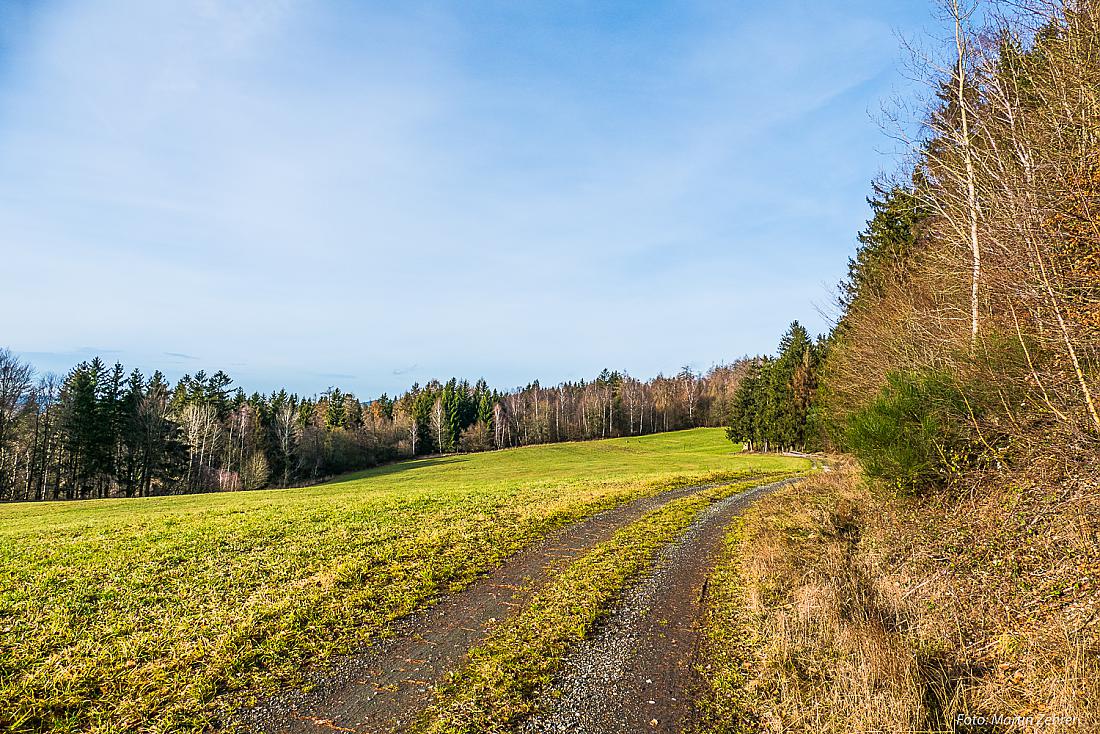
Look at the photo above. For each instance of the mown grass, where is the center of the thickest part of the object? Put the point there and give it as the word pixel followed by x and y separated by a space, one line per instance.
pixel 498 686
pixel 156 614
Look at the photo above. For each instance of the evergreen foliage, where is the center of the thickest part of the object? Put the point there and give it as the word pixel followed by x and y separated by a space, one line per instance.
pixel 771 407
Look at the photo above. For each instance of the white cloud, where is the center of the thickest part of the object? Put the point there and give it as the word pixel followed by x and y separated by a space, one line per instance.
pixel 335 186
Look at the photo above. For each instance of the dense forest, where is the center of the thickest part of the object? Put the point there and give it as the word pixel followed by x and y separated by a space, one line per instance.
pixel 104 432
pixel 968 330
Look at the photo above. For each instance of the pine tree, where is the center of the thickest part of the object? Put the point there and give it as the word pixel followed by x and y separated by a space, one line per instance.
pixel 744 417
pixel 886 245
pixel 163 454
pixel 80 427
pixel 773 403
pixel 423 401
pixel 112 419
pixel 335 410
pixel 452 415
pixel 485 410
pixel 129 463
pixel 215 393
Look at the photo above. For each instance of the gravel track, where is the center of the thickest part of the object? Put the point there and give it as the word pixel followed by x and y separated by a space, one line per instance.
pixel 382 688
pixel 636 673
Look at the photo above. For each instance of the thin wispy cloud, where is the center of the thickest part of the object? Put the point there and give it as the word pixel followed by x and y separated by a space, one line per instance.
pixel 336 375
pixel 509 191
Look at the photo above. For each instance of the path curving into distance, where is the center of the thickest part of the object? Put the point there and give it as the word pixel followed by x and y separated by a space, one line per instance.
pixel 383 688
pixel 636 673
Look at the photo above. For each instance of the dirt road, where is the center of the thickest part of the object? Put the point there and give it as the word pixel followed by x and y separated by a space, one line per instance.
pixel 381 689
pixel 636 674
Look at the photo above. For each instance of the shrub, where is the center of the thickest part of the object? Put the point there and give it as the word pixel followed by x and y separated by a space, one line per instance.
pixel 255 472
pixel 476 438
pixel 919 432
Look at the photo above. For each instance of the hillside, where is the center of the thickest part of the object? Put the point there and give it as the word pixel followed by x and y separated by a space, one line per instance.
pixel 946 578
pixel 505 450
pixel 150 613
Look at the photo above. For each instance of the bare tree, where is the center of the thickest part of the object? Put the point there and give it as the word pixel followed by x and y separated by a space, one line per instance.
pixel 15 385
pixel 438 423
pixel 286 434
pixel 690 386
pixel 963 138
pixel 203 432
pixel 406 426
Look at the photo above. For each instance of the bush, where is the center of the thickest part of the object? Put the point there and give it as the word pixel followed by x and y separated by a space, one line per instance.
pixel 918 433
pixel 476 438
pixel 256 472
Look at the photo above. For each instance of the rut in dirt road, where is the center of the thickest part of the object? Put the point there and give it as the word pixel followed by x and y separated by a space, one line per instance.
pixel 383 688
pixel 636 673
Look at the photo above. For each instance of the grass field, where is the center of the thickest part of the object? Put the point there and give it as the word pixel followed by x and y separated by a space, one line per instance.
pixel 151 614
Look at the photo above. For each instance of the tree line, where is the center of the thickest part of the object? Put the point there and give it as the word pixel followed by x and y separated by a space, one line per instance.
pixel 101 431
pixel 772 407
pixel 967 337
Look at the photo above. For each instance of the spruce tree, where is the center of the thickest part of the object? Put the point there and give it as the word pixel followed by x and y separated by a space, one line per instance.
pixel 80 428
pixel 452 415
pixel 485 410
pixel 130 433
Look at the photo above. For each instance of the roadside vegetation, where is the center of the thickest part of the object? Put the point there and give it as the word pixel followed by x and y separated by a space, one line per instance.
pixel 953 570
pixel 152 614
pixel 807 632
pixel 840 608
pixel 728 704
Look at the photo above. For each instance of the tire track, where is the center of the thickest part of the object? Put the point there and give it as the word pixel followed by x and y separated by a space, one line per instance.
pixel 383 688
pixel 635 674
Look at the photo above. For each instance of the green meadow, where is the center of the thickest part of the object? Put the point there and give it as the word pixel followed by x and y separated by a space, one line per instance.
pixel 156 614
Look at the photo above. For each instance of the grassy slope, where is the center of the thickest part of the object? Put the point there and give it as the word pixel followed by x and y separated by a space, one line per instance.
pixel 802 636
pixel 841 608
pixel 135 614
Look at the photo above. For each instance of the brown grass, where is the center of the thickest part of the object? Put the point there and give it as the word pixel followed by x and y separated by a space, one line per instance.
pixel 872 613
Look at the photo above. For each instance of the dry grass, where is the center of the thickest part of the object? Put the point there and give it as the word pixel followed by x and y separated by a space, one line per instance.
pixel 870 613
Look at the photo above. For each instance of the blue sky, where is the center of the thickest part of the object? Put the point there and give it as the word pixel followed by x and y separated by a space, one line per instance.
pixel 318 192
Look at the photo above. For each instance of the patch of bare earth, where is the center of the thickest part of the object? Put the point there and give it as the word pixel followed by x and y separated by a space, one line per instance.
pixel 383 688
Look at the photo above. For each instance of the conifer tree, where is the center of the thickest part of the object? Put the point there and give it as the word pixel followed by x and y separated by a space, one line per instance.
pixel 485 410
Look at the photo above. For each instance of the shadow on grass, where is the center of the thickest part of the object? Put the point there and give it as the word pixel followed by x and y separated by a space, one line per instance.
pixel 397 467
